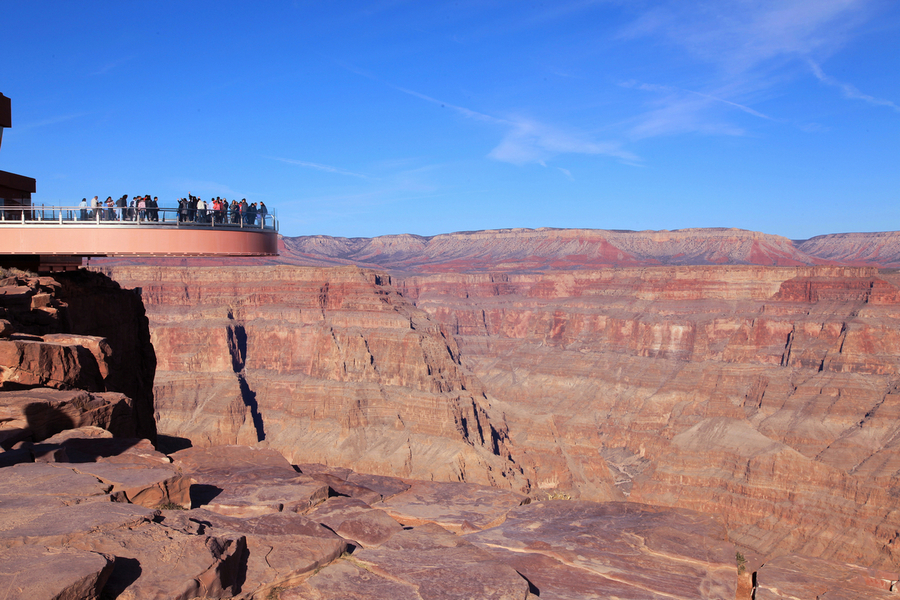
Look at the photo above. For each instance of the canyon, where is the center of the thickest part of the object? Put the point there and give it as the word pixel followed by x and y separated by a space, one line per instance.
pixel 763 395
pixel 697 393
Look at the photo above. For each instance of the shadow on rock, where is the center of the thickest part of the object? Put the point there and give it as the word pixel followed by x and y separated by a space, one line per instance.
pixel 202 494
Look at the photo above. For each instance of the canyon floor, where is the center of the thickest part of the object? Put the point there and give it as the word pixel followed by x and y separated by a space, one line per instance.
pixel 487 415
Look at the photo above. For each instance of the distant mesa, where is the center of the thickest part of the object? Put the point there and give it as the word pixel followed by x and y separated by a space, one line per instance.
pixel 549 249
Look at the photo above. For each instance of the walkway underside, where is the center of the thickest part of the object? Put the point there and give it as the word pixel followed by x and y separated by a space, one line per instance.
pixel 136 241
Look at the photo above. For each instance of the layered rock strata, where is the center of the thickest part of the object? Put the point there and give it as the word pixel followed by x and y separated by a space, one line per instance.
pixel 330 366
pixel 765 396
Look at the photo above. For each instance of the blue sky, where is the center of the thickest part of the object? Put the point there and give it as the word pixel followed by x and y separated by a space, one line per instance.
pixel 371 118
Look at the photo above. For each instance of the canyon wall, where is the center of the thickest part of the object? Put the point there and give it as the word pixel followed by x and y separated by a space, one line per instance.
pixel 330 366
pixel 766 396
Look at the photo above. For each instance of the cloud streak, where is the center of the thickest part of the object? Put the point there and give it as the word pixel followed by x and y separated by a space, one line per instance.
pixel 686 111
pixel 530 141
pixel 526 140
pixel 51 121
pixel 850 91
pixel 319 167
pixel 110 66
pixel 741 35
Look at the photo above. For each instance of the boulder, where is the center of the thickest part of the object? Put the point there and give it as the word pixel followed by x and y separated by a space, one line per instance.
pixel 29 363
pixel 98 347
pixel 153 561
pixel 139 483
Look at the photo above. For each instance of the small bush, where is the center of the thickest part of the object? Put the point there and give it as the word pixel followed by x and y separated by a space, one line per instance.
pixel 741 562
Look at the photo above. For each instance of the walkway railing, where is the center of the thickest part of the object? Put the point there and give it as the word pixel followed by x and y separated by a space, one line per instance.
pixel 133 217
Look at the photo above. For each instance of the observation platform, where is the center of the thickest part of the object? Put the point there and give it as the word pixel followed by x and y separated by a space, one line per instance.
pixel 58 237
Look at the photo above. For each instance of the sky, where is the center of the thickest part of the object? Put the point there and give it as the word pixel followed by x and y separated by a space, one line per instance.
pixel 359 119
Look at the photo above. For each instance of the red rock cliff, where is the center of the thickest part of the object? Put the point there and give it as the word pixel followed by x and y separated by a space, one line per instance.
pixel 330 366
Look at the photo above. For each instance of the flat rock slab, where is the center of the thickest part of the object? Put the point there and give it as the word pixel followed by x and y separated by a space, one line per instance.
pixel 355 520
pixel 156 562
pixel 459 507
pixel 282 547
pixel 53 524
pixel 239 481
pixel 795 577
pixel 258 498
pixel 232 458
pixel 345 579
pixel 36 573
pixel 424 563
pixel 40 479
pixel 366 486
pixel 581 550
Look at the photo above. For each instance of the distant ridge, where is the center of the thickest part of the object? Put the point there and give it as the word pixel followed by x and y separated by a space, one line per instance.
pixel 548 249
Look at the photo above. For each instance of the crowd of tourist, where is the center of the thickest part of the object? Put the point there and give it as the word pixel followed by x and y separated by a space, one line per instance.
pixel 190 210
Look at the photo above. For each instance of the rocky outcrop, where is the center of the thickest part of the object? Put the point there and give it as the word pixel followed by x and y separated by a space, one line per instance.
pixel 78 330
pixel 99 307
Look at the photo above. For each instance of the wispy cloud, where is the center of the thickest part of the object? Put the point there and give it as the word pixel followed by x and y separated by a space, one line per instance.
pixel 526 140
pixel 318 167
pixel 51 121
pixel 567 173
pixel 530 141
pixel 112 65
pixel 747 43
pixel 682 115
pixel 740 35
pixel 850 91
pixel 461 110
pixel 679 110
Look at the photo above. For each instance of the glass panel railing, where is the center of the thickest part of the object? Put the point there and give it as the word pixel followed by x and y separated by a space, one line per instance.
pixel 134 216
